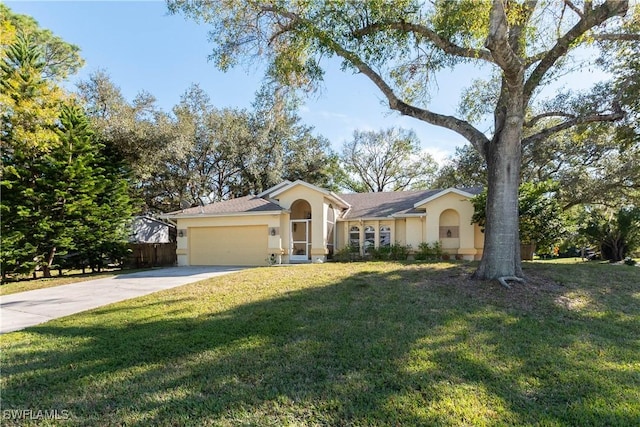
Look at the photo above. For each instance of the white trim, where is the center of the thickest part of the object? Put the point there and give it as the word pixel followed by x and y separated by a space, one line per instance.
pixel 329 194
pixel 221 214
pixel 407 215
pixel 274 188
pixel 305 257
pixel 443 193
pixel 368 218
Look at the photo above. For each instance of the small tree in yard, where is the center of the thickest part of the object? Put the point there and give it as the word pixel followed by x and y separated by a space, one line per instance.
pixel 401 45
pixel 616 233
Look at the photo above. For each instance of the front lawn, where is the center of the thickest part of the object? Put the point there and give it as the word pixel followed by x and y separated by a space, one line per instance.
pixel 343 344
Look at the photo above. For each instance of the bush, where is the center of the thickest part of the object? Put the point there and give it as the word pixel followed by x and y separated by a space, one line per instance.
pixel 347 254
pixel 395 252
pixel 399 252
pixel 429 252
pixel 630 261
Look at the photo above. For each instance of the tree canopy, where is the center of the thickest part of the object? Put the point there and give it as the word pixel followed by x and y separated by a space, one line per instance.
pixel 386 160
pixel 59 58
pixel 198 153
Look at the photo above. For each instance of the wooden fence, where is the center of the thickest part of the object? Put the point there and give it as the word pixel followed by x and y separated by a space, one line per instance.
pixel 152 254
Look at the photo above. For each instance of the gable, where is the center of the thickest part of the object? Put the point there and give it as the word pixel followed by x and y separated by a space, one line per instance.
pixel 449 197
pixel 287 194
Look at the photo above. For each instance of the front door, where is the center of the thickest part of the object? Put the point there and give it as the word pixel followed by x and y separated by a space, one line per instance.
pixel 299 245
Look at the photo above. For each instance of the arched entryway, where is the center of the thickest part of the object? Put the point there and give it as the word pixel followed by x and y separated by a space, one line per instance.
pixel 450 230
pixel 300 232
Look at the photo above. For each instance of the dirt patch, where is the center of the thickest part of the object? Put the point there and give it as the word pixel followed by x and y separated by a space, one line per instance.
pixel 539 288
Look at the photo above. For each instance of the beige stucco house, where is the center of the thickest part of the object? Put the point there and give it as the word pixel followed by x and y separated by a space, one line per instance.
pixel 299 222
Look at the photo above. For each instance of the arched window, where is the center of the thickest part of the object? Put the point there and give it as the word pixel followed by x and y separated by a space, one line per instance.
pixel 354 237
pixel 369 237
pixel 385 236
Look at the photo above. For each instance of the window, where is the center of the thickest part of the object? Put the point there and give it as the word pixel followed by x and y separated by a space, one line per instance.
pixel 385 236
pixel 369 238
pixel 354 237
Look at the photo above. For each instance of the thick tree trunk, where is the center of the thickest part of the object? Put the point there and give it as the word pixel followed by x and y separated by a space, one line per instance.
pixel 501 257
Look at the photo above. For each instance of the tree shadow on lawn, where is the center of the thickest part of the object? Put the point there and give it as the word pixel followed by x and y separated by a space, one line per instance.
pixel 405 347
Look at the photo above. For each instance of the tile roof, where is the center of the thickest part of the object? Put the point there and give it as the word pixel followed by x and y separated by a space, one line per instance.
pixel 377 205
pixel 384 204
pixel 363 205
pixel 246 204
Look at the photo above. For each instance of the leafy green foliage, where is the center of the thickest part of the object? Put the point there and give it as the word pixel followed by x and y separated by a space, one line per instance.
pixel 615 233
pixel 394 252
pixel 429 252
pixel 400 47
pixel 465 168
pixel 201 154
pixel 29 102
pixel 60 192
pixel 68 199
pixel 541 219
pixel 59 58
pixel 347 254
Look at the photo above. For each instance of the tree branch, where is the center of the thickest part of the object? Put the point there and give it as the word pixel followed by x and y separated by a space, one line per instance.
pixel 530 123
pixel 573 7
pixel 616 115
pixel 462 127
pixel 617 37
pixel 446 45
pixel 590 19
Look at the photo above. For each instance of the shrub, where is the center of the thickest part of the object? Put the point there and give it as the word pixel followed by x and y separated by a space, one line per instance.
pixel 347 254
pixel 379 254
pixel 399 252
pixel 429 251
pixel 630 261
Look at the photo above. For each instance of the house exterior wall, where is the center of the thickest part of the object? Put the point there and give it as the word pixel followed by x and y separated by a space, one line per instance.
pixel 450 211
pixel 146 230
pixel 188 226
pixel 467 246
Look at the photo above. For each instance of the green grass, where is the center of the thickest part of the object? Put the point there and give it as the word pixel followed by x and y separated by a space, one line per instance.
pixel 372 344
pixel 73 276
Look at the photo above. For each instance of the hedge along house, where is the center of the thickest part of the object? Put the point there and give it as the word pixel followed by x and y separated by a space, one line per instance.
pixel 298 222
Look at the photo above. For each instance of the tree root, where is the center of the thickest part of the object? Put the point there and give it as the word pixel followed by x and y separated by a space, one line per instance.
pixel 503 280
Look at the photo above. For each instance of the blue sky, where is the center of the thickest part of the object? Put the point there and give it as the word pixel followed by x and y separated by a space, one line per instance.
pixel 142 47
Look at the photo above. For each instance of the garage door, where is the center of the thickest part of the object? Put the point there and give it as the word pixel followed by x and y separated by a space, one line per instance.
pixel 228 245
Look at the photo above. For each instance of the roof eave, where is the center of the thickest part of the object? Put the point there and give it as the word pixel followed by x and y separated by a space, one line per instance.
pixel 366 218
pixel 412 215
pixel 222 214
pixel 443 193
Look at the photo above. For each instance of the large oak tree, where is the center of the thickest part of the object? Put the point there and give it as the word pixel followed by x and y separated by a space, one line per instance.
pixel 400 45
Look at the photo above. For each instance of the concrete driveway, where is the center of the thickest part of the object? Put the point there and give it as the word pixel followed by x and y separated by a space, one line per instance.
pixel 24 309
